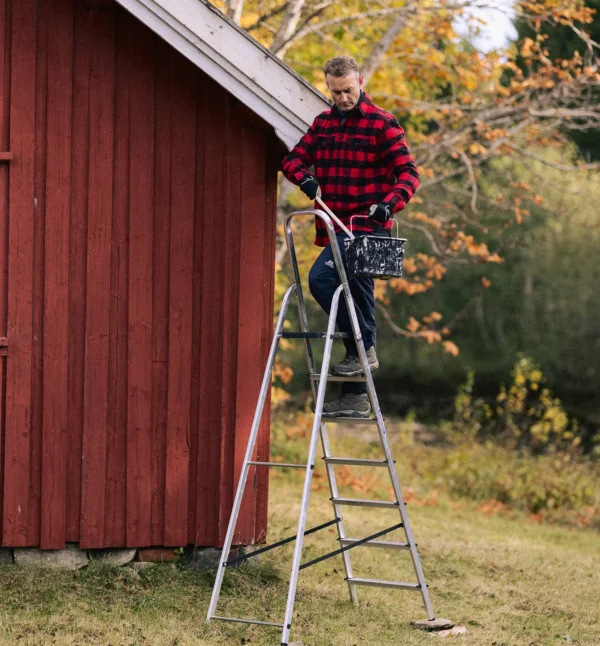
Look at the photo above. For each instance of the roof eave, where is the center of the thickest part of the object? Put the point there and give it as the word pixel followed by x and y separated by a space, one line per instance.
pixel 236 61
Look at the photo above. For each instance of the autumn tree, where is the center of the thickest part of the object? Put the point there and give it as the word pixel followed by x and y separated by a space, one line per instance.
pixel 467 113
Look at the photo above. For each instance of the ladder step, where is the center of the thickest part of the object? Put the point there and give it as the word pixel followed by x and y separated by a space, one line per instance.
pixel 357 462
pixel 316 376
pixel 313 335
pixel 385 544
pixel 364 503
pixel 377 583
pixel 278 464
pixel 247 621
pixel 349 420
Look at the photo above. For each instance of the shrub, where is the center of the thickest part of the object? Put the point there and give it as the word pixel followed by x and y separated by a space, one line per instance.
pixel 525 415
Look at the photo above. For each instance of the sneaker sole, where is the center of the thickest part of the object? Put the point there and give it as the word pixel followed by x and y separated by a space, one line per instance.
pixel 355 373
pixel 353 414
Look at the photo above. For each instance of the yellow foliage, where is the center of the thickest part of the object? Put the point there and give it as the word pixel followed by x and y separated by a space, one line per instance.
pixel 434 316
pixel 413 325
pixel 477 149
pixel 431 336
pixel 451 348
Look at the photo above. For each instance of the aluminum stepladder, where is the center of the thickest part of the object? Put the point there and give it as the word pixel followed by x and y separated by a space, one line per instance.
pixel 319 428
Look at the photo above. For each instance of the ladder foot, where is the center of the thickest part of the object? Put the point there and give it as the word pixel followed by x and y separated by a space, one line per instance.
pixel 432 625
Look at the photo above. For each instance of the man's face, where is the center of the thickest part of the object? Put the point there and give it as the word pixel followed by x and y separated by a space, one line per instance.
pixel 345 90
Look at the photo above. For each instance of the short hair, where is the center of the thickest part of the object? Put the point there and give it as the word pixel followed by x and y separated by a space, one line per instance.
pixel 340 66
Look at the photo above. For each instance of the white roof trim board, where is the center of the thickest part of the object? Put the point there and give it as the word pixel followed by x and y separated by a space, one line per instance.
pixel 236 61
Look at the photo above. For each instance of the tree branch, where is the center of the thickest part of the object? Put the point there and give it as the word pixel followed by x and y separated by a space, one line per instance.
pixel 374 59
pixel 288 25
pixel 270 14
pixel 553 164
pixel 234 10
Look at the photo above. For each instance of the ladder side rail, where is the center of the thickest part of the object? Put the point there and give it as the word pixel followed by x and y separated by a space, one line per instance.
pixel 289 610
pixel 331 478
pixel 264 389
pixel 375 404
pixel 341 530
pixel 289 239
pixel 394 477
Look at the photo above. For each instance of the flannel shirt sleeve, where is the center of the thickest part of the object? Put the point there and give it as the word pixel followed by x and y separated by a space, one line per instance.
pixel 394 150
pixel 295 164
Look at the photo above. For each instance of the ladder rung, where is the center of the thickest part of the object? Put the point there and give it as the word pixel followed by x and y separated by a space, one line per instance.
pixel 313 335
pixel 357 462
pixel 349 420
pixel 316 376
pixel 364 503
pixel 377 583
pixel 278 464
pixel 247 621
pixel 386 544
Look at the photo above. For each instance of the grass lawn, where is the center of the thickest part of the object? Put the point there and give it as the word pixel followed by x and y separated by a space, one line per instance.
pixel 508 580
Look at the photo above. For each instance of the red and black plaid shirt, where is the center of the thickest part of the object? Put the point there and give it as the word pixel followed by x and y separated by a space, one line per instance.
pixel 359 160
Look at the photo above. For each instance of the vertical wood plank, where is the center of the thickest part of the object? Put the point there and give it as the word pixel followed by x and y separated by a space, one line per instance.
pixel 116 448
pixel 38 251
pixel 202 89
pixel 77 265
pixel 5 44
pixel 101 119
pixel 209 429
pixel 56 277
pixel 139 421
pixel 230 315
pixel 20 274
pixel 272 164
pixel 250 366
pixel 160 282
pixel 183 172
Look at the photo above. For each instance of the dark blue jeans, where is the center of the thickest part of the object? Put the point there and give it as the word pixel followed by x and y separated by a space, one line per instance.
pixel 323 280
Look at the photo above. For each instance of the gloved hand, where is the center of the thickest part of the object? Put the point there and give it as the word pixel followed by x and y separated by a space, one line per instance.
pixel 381 212
pixel 310 187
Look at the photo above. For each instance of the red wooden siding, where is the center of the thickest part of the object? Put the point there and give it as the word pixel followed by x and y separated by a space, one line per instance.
pixel 136 291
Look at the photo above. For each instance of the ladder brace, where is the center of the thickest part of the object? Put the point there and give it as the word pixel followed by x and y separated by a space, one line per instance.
pixel 349 547
pixel 239 559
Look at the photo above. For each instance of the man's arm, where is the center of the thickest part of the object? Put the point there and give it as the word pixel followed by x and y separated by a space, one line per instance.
pixel 295 164
pixel 394 150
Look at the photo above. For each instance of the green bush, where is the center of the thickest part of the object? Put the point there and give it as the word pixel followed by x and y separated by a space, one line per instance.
pixel 525 414
pixel 534 484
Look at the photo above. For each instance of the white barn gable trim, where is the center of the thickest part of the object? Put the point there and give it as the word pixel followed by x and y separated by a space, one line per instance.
pixel 236 61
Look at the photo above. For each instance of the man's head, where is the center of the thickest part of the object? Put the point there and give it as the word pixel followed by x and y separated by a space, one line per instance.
pixel 344 81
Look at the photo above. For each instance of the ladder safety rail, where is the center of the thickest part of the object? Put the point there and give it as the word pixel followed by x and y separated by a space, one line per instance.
pixel 318 380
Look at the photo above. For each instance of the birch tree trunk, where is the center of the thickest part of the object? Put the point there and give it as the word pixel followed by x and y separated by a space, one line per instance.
pixel 288 26
pixel 234 10
pixel 373 60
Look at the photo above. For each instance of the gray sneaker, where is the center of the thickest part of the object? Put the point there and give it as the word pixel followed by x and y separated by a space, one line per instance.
pixel 351 366
pixel 348 405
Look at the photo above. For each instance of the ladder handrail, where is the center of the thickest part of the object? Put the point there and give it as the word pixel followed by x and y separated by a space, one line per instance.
pixel 339 264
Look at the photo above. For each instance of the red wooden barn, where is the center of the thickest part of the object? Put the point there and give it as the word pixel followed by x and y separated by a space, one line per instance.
pixel 139 148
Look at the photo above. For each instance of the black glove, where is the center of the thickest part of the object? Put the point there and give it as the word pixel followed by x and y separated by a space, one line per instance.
pixel 310 187
pixel 381 212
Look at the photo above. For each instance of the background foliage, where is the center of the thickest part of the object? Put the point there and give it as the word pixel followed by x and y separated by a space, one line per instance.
pixel 503 233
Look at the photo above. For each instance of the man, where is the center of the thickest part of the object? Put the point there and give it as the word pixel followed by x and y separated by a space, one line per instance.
pixel 362 166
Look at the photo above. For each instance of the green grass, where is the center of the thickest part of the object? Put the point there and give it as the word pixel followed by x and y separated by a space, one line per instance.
pixel 507 579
